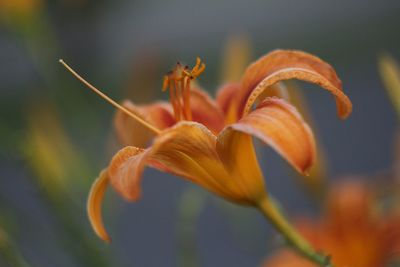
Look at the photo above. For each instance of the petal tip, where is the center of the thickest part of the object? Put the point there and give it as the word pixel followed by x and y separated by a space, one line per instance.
pixel 344 108
pixel 132 196
pixel 94 203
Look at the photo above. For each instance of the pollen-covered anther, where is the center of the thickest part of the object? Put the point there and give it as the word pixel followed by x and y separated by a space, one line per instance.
pixel 195 71
pixel 178 81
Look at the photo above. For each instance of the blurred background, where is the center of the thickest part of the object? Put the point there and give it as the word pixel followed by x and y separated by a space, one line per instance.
pixel 55 136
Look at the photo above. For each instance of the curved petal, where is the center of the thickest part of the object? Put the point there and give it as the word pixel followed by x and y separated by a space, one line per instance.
pixel 206 111
pixel 289 64
pixel 278 90
pixel 237 152
pixel 226 96
pixel 131 132
pixel 126 169
pixel 94 203
pixel 186 150
pixel 277 124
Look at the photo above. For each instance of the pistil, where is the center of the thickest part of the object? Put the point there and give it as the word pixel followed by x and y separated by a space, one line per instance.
pixel 111 101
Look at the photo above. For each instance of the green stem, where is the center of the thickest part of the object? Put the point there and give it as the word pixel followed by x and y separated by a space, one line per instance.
pixel 190 206
pixel 294 239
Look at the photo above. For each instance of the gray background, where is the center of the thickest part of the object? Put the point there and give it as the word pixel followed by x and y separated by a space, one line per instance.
pixel 106 39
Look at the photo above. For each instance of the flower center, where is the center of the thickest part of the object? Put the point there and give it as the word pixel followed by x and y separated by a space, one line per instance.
pixel 178 82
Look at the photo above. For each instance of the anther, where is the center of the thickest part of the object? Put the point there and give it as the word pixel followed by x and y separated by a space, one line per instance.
pixel 178 81
pixel 200 70
pixel 165 83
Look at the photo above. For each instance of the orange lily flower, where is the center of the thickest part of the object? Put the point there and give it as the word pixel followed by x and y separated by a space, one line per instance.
pixel 352 229
pixel 209 142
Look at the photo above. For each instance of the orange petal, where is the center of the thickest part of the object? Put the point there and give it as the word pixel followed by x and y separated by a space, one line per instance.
pixel 126 169
pixel 131 132
pixel 94 203
pixel 289 64
pixel 278 90
pixel 225 98
pixel 391 232
pixel 206 111
pixel 350 205
pixel 186 150
pixel 225 95
pixel 279 125
pixel 236 151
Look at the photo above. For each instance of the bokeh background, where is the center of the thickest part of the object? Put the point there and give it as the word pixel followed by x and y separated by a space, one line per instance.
pixel 55 135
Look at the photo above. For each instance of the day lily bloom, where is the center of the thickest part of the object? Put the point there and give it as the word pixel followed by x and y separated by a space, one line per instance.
pixel 352 229
pixel 209 142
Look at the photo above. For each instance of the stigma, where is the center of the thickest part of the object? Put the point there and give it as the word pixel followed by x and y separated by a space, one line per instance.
pixel 178 81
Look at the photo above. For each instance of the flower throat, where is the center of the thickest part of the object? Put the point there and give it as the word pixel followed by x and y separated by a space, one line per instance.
pixel 178 82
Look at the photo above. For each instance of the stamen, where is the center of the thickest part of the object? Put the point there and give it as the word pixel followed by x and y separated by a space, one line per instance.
pixel 178 98
pixel 200 70
pixel 198 61
pixel 165 83
pixel 112 102
pixel 173 98
pixel 179 80
pixel 186 98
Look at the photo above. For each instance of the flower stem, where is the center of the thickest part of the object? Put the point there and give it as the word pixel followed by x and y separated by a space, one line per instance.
pixel 269 209
pixel 190 206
